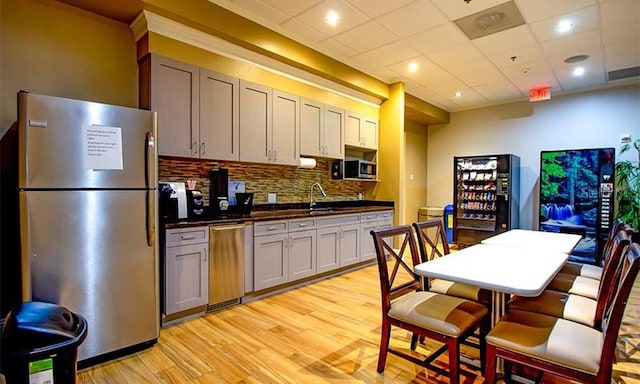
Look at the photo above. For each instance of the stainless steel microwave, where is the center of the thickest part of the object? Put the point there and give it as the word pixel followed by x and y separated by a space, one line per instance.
pixel 360 169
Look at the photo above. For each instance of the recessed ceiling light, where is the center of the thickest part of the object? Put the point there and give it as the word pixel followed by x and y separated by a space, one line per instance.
pixel 564 26
pixel 576 59
pixel 332 18
pixel 458 94
pixel 578 71
pixel 413 67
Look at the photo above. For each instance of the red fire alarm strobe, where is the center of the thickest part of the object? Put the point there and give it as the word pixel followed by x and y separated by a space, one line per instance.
pixel 540 94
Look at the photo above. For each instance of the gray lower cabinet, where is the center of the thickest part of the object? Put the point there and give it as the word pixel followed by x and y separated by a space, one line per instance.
pixel 186 272
pixel 338 241
pixel 284 251
pixel 372 221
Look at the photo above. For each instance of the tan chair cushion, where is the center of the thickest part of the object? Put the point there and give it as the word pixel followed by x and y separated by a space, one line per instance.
pixel 461 290
pixel 584 270
pixel 559 341
pixel 448 315
pixel 558 304
pixel 576 285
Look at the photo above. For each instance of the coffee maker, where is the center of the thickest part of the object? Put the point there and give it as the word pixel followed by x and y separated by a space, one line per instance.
pixel 195 203
pixel 219 191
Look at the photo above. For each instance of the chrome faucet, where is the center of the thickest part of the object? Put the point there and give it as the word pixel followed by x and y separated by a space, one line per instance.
pixel 311 203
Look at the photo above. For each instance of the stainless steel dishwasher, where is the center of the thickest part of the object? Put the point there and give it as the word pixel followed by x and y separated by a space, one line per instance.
pixel 226 265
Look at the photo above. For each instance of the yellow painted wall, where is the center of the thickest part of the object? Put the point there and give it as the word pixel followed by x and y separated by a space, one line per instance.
pixel 391 155
pixel 416 169
pixel 52 48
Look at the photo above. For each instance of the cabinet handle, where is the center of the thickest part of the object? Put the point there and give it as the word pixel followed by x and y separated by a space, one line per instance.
pixel 203 148
pixel 194 148
pixel 188 237
pixel 275 155
pixel 204 255
pixel 302 225
pixel 271 228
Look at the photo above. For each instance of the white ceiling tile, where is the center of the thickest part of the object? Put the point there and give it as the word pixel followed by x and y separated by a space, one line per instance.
pixel 592 76
pixel 388 54
pixel 336 48
pixel 457 9
pixel 531 75
pixel 456 54
pixel 412 18
pixel 263 10
pixel 498 91
pixel 426 69
pixel 375 8
pixel 469 98
pixel 583 20
pixel 579 44
pixel 476 72
pixel 516 56
pixel 442 102
pixel 621 20
pixel 349 17
pixel 302 32
pixel 510 39
pixel 621 55
pixel 434 39
pixel 290 8
pixel 365 37
pixel 536 10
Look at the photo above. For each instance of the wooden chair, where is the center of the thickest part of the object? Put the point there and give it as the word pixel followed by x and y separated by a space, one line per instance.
pixel 575 307
pixel 432 242
pixel 562 347
pixel 406 305
pixel 584 286
pixel 593 271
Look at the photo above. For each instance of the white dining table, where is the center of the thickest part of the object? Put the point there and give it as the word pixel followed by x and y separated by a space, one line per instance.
pixel 504 270
pixel 525 238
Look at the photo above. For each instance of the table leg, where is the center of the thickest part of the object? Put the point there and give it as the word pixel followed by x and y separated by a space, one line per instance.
pixel 498 308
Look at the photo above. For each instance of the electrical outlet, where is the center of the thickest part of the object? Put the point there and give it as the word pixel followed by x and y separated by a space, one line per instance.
pixel 625 138
pixel 271 198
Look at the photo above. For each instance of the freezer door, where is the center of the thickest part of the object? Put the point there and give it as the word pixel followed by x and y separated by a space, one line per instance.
pixel 71 144
pixel 88 251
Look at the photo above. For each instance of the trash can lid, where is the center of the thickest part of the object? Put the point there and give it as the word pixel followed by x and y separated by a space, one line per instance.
pixel 34 325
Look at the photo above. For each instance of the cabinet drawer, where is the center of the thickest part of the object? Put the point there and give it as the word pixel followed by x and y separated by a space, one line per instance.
pixel 369 216
pixel 338 220
pixel 270 227
pixel 385 215
pixel 302 224
pixel 186 236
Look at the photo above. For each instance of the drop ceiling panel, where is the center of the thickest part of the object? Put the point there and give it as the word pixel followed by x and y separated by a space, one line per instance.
pixel 456 54
pixel 498 91
pixel 592 76
pixel 301 32
pixel 349 17
pixel 572 45
pixel 440 37
pixel 511 39
pixel 457 9
pixel 476 72
pixel 536 10
pixel 265 11
pixel 336 48
pixel 393 53
pixel 582 20
pixel 517 56
pixel 290 8
pixel 621 20
pixel 375 8
pixel 621 55
pixel 365 37
pixel 412 18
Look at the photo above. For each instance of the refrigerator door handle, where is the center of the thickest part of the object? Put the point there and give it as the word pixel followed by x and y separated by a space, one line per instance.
pixel 151 182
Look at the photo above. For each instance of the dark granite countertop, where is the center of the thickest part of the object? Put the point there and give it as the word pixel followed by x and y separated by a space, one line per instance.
pixel 264 212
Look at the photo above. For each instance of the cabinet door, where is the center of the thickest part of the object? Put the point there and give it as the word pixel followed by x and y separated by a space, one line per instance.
pixel 352 126
pixel 349 244
pixel 255 122
pixel 328 254
pixel 333 133
pixel 367 247
pixel 311 122
pixel 369 133
pixel 174 96
pixel 270 261
pixel 302 254
pixel 186 277
pixel 219 116
pixel 286 128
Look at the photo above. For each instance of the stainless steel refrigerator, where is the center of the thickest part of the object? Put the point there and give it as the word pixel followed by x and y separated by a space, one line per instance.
pixel 87 192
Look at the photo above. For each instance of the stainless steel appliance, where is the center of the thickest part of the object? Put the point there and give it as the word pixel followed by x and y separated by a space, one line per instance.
pixel 360 169
pixel 88 203
pixel 173 200
pixel 226 265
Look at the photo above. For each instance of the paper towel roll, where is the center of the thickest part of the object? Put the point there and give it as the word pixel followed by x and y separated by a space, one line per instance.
pixel 306 162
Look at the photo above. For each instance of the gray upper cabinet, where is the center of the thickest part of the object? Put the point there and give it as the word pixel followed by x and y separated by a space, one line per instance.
pixel 255 123
pixel 285 137
pixel 361 131
pixel 219 116
pixel 174 87
pixel 322 130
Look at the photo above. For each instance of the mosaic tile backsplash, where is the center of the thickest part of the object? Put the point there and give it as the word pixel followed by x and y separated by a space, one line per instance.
pixel 290 184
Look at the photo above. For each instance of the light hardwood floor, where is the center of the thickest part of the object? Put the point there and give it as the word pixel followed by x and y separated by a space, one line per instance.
pixel 325 332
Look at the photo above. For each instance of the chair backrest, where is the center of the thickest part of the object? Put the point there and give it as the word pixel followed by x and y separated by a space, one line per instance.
pixel 432 239
pixel 606 249
pixel 400 279
pixel 615 311
pixel 610 274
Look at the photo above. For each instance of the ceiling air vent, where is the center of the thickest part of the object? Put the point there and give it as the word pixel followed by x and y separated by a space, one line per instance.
pixel 490 21
pixel 625 73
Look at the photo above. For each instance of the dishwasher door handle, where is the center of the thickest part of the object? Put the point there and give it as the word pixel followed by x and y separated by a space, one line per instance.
pixel 227 227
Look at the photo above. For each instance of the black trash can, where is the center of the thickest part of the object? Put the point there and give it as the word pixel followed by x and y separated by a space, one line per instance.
pixel 40 342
